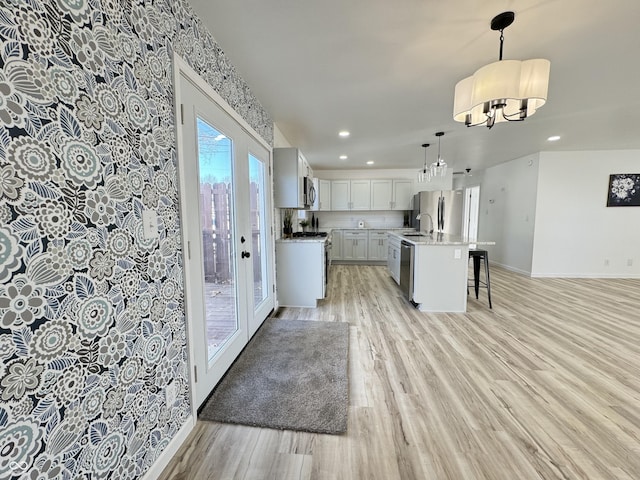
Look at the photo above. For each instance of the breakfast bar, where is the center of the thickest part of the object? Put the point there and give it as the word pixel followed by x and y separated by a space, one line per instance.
pixel 434 270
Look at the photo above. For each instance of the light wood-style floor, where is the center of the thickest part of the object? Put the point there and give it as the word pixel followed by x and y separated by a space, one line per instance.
pixel 544 386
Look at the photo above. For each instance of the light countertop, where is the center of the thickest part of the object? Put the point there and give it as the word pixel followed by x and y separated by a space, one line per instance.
pixel 438 239
pixel 303 240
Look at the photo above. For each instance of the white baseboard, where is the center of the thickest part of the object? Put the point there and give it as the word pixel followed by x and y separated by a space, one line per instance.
pixel 510 268
pixel 584 275
pixel 566 274
pixel 176 442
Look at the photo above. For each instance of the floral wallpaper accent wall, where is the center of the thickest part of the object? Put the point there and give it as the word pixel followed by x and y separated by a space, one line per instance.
pixel 92 329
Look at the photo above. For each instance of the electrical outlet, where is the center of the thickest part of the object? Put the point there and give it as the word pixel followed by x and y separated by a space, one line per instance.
pixel 630 262
pixel 170 393
pixel 150 223
pixel 606 262
pixel 457 253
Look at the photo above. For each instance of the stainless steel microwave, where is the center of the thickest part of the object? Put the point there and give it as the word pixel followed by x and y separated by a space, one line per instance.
pixel 309 192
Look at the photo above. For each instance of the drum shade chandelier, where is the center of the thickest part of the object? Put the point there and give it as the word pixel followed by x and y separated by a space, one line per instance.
pixel 503 91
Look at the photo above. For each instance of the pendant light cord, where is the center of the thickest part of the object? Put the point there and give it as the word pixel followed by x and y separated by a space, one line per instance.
pixel 501 41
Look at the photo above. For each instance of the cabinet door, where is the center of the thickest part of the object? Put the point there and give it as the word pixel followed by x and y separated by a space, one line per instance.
pixel 381 194
pixel 337 252
pixel 395 264
pixel 360 248
pixel 382 248
pixel 377 245
pixel 324 195
pixel 355 245
pixel 360 194
pixel 340 194
pixel 402 194
pixel 348 244
pixel 288 189
pixel 374 249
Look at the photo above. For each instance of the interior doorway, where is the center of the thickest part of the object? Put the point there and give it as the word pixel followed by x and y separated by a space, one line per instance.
pixel 471 211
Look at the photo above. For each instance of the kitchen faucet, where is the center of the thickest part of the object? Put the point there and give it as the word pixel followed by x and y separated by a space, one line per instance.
pixel 430 220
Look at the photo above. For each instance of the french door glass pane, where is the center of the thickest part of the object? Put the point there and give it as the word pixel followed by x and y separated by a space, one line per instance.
pixel 215 160
pixel 257 191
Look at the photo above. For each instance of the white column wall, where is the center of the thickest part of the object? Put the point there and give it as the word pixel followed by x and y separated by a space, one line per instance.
pixel 507 212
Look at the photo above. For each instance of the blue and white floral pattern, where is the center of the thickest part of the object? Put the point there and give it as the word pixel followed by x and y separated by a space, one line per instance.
pixel 91 311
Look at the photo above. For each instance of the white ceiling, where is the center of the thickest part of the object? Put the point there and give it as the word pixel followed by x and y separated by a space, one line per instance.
pixel 386 71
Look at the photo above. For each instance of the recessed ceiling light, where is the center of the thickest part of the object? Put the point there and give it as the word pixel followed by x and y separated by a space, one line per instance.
pixel 343 157
pixel 553 138
pixel 370 162
pixel 344 133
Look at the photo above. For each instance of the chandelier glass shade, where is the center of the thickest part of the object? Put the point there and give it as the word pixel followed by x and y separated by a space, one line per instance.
pixel 503 91
pixel 424 174
pixel 439 167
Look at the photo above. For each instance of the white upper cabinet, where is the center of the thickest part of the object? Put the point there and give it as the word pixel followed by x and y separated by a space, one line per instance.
pixel 402 194
pixel 360 194
pixel 351 195
pixel 289 170
pixel 381 195
pixel 323 195
pixel 377 194
pixel 391 194
pixel 340 194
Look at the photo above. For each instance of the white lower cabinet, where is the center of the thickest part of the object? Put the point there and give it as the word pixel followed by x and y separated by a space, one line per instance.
pixel 393 259
pixel 354 245
pixel 377 245
pixel 336 244
pixel 300 270
pixel 361 245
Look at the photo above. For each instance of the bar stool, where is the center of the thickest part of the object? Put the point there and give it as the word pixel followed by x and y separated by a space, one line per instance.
pixel 478 255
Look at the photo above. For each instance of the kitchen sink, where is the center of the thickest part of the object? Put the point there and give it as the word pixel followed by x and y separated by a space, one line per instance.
pixel 417 235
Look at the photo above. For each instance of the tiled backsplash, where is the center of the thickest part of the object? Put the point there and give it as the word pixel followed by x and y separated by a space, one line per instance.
pixel 376 219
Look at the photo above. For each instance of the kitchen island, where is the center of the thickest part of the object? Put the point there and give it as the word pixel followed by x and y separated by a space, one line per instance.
pixel 433 270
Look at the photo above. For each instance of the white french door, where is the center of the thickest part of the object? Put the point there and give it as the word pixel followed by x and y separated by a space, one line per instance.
pixel 225 203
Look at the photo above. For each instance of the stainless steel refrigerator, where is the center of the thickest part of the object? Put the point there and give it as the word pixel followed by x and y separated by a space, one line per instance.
pixel 445 208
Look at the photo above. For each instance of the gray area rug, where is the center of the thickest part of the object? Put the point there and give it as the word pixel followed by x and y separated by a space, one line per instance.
pixel 292 375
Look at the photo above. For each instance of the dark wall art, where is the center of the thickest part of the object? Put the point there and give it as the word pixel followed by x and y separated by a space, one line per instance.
pixel 94 381
pixel 624 190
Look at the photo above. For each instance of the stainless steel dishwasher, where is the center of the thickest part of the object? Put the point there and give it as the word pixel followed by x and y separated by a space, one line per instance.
pixel 406 269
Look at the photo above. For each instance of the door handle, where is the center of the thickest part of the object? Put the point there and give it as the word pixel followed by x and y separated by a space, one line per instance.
pixel 242 240
pixel 245 254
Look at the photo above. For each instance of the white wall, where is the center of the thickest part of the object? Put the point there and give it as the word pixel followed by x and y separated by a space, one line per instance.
pixel 575 233
pixel 279 140
pixel 507 212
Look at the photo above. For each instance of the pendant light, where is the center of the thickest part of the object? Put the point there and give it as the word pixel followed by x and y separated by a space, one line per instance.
pixel 439 167
pixel 503 91
pixel 424 174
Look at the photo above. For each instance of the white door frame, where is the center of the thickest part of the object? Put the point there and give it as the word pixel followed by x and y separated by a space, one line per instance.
pixel 182 68
pixel 471 210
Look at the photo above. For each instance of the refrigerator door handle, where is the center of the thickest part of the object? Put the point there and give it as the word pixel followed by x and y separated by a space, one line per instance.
pixel 442 215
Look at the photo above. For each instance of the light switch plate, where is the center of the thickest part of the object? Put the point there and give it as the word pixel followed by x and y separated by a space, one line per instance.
pixel 150 223
pixel 457 253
